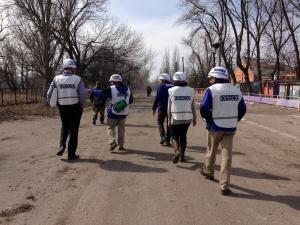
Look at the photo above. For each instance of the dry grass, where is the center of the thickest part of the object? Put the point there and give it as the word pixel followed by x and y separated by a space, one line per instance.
pixel 17 112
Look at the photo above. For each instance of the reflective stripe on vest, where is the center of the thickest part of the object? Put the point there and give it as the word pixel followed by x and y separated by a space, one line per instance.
pixel 116 96
pixel 67 89
pixel 225 100
pixel 181 102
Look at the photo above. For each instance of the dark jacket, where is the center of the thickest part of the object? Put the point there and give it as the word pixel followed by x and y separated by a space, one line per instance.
pixel 161 99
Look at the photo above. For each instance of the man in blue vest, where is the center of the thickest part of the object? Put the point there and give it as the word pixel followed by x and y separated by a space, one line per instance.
pixel 161 105
pixel 98 101
pixel 71 97
pixel 222 107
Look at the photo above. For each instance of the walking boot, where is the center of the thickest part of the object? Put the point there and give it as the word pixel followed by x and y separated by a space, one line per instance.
pixel 177 152
pixel 182 158
pixel 94 122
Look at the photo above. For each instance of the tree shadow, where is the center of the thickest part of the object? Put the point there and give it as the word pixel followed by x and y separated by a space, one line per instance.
pixel 120 166
pixel 141 125
pixel 290 200
pixel 148 155
pixel 203 150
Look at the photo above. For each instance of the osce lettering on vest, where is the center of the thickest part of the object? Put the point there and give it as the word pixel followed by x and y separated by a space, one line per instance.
pixel 229 98
pixel 225 98
pixel 67 89
pixel 181 98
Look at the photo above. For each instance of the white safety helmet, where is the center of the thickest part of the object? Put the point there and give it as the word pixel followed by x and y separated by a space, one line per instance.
pixel 164 76
pixel 219 72
pixel 69 63
pixel 115 77
pixel 179 76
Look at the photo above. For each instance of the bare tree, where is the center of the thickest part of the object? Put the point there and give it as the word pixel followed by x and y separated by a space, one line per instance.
pixel 288 15
pixel 166 67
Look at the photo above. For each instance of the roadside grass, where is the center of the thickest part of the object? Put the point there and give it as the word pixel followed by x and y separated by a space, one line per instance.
pixel 24 111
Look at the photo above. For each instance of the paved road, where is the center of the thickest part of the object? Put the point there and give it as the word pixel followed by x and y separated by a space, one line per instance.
pixel 141 186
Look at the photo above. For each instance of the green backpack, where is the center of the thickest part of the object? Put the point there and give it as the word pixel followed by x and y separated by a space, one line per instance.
pixel 120 105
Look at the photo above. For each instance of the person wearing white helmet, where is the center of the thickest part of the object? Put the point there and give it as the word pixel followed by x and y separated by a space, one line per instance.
pixel 222 107
pixel 181 113
pixel 120 97
pixel 161 104
pixel 70 97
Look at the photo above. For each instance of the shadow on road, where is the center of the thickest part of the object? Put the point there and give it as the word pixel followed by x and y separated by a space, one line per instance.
pixel 120 166
pixel 141 125
pixel 290 200
pixel 203 150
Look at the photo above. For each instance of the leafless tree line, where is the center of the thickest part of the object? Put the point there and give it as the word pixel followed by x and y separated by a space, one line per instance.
pixel 35 36
pixel 238 32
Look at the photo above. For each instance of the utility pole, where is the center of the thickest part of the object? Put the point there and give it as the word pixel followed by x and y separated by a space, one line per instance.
pixel 182 58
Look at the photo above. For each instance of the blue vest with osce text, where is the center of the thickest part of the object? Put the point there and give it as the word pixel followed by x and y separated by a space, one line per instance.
pixel 67 89
pixel 181 98
pixel 116 96
pixel 225 100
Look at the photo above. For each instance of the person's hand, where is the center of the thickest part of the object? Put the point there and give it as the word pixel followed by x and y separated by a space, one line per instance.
pixel 153 111
pixel 194 122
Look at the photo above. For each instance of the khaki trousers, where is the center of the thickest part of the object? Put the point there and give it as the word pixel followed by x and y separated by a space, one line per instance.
pixel 96 110
pixel 225 140
pixel 111 130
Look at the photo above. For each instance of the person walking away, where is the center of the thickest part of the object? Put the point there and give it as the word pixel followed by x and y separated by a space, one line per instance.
pixel 71 97
pixel 181 112
pixel 98 99
pixel 222 107
pixel 161 105
pixel 148 91
pixel 120 97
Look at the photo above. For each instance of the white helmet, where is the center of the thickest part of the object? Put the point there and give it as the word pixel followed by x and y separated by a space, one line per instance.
pixel 164 76
pixel 115 77
pixel 69 63
pixel 179 76
pixel 219 72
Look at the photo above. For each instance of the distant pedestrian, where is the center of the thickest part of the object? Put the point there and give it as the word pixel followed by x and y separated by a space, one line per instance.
pixel 98 99
pixel 181 113
pixel 222 107
pixel 161 105
pixel 120 97
pixel 148 91
pixel 71 97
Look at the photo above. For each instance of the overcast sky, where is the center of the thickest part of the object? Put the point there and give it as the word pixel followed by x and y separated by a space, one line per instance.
pixel 155 20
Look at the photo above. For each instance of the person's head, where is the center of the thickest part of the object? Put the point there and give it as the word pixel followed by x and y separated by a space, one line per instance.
pixel 98 84
pixel 218 75
pixel 115 79
pixel 179 78
pixel 164 78
pixel 69 65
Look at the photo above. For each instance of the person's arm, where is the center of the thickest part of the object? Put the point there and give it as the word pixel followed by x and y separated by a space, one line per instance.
pixel 91 95
pixel 241 109
pixel 50 90
pixel 194 113
pixel 81 92
pixel 131 98
pixel 156 100
pixel 169 114
pixel 107 92
pixel 206 106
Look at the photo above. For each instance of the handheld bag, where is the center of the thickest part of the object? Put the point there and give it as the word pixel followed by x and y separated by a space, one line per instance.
pixel 120 105
pixel 53 99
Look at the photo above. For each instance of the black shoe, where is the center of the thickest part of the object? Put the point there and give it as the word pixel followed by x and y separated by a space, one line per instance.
pixel 162 140
pixel 113 146
pixel 206 175
pixel 122 149
pixel 73 157
pixel 182 159
pixel 176 158
pixel 226 192
pixel 61 151
pixel 102 121
pixel 94 122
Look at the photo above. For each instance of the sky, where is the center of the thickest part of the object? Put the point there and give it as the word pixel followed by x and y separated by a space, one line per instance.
pixel 156 21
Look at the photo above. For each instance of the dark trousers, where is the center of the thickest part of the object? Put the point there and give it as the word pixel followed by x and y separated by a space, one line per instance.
pixel 162 116
pixel 179 133
pixel 70 118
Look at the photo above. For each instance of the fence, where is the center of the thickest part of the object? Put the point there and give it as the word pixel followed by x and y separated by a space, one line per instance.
pixel 20 96
pixel 291 102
